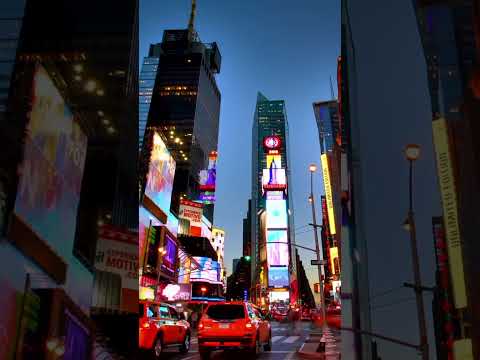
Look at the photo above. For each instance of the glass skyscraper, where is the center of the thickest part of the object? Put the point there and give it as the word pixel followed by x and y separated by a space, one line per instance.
pixel 145 90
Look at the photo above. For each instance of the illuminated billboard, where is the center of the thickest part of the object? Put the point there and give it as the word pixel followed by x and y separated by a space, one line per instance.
pixel 328 193
pixel 272 142
pixel 277 247
pixel 278 276
pixel 334 261
pixel 274 160
pixel 170 258
pixel 209 270
pixel 449 200
pixel 160 175
pixel 275 195
pixel 274 179
pixel 177 292
pixel 52 170
pixel 277 214
pixel 191 212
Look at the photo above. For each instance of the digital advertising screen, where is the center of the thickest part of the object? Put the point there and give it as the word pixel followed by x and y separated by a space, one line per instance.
pixel 52 169
pixel 277 214
pixel 160 175
pixel 277 247
pixel 275 195
pixel 209 270
pixel 278 276
pixel 145 219
pixel 274 179
pixel 170 257
pixel 275 159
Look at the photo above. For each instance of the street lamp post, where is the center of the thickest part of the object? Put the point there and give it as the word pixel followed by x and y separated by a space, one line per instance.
pixel 312 169
pixel 412 152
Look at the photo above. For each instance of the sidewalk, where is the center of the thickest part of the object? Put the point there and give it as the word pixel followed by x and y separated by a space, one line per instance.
pixel 309 349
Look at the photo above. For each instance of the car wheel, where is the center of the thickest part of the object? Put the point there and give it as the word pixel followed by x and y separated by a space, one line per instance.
pixel 256 349
pixel 157 347
pixel 185 347
pixel 204 354
pixel 268 345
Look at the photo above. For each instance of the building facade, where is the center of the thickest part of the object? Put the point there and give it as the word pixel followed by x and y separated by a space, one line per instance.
pixel 273 258
pixel 450 36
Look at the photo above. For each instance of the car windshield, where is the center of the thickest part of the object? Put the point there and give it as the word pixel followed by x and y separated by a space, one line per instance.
pixel 226 312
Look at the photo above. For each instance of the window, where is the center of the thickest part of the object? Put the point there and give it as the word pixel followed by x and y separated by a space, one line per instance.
pixel 164 313
pixel 152 311
pixel 226 312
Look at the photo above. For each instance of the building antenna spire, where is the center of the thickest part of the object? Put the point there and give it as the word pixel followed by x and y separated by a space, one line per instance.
pixel 331 89
pixel 193 12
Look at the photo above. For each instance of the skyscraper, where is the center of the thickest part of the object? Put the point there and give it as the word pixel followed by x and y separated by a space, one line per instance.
pixel 273 256
pixel 185 105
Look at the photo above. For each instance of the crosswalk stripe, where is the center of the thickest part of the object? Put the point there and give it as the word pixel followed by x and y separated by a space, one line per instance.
pixel 276 338
pixel 291 339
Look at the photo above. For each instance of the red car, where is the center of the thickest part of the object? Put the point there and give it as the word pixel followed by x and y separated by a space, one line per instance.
pixel 233 325
pixel 162 326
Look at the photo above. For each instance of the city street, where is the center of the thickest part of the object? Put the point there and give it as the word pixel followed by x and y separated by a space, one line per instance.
pixel 285 345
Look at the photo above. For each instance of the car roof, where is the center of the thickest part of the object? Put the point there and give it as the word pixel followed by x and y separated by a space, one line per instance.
pixel 149 302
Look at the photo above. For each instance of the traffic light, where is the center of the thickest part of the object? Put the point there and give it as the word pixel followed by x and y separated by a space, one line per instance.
pixel 247 258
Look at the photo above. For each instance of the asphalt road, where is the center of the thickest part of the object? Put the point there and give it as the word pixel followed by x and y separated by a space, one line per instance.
pixel 285 344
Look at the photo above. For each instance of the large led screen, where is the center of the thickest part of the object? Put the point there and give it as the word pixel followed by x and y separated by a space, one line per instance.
pixel 52 168
pixel 146 222
pixel 273 177
pixel 209 270
pixel 277 247
pixel 160 175
pixel 170 257
pixel 278 276
pixel 277 214
pixel 275 159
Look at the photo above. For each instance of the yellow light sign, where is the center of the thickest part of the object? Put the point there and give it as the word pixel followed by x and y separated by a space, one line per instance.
pixel 462 349
pixel 449 200
pixel 328 193
pixel 146 293
pixel 276 158
pixel 333 256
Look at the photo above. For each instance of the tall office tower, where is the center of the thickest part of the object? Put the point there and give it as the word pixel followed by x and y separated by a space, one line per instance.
pixel 185 105
pixel 451 41
pixel 145 91
pixel 273 256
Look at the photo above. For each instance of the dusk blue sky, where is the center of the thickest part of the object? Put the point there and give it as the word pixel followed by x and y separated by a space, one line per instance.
pixel 286 50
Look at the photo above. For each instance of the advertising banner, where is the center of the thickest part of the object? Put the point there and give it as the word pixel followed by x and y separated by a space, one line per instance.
pixel 160 175
pixel 274 160
pixel 277 214
pixel 328 193
pixel 278 276
pixel 277 247
pixel 274 179
pixel 52 169
pixel 449 201
pixel 117 252
pixel 192 211
pixel 209 270
pixel 177 292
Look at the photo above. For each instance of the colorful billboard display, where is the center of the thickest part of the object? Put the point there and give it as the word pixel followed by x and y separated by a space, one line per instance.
pixel 170 258
pixel 272 142
pixel 275 195
pixel 209 270
pixel 52 169
pixel 449 200
pixel 277 214
pixel 160 175
pixel 274 179
pixel 177 292
pixel 193 212
pixel 208 179
pixel 277 247
pixel 328 193
pixel 274 160
pixel 278 276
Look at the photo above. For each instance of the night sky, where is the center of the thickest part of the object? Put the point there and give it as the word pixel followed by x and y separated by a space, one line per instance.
pixel 285 51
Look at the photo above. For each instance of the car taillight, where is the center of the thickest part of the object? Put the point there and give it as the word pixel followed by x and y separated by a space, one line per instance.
pixel 146 325
pixel 200 326
pixel 248 325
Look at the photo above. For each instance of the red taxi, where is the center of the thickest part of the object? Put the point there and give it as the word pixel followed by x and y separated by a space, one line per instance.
pixel 162 326
pixel 233 325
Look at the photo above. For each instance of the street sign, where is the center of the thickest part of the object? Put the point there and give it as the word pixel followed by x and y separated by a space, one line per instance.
pixel 318 262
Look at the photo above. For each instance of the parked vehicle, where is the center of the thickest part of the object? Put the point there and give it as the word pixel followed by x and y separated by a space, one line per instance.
pixel 233 325
pixel 161 326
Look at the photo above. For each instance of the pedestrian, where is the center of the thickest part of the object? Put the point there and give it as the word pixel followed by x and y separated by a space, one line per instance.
pixel 194 319
pixel 291 320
